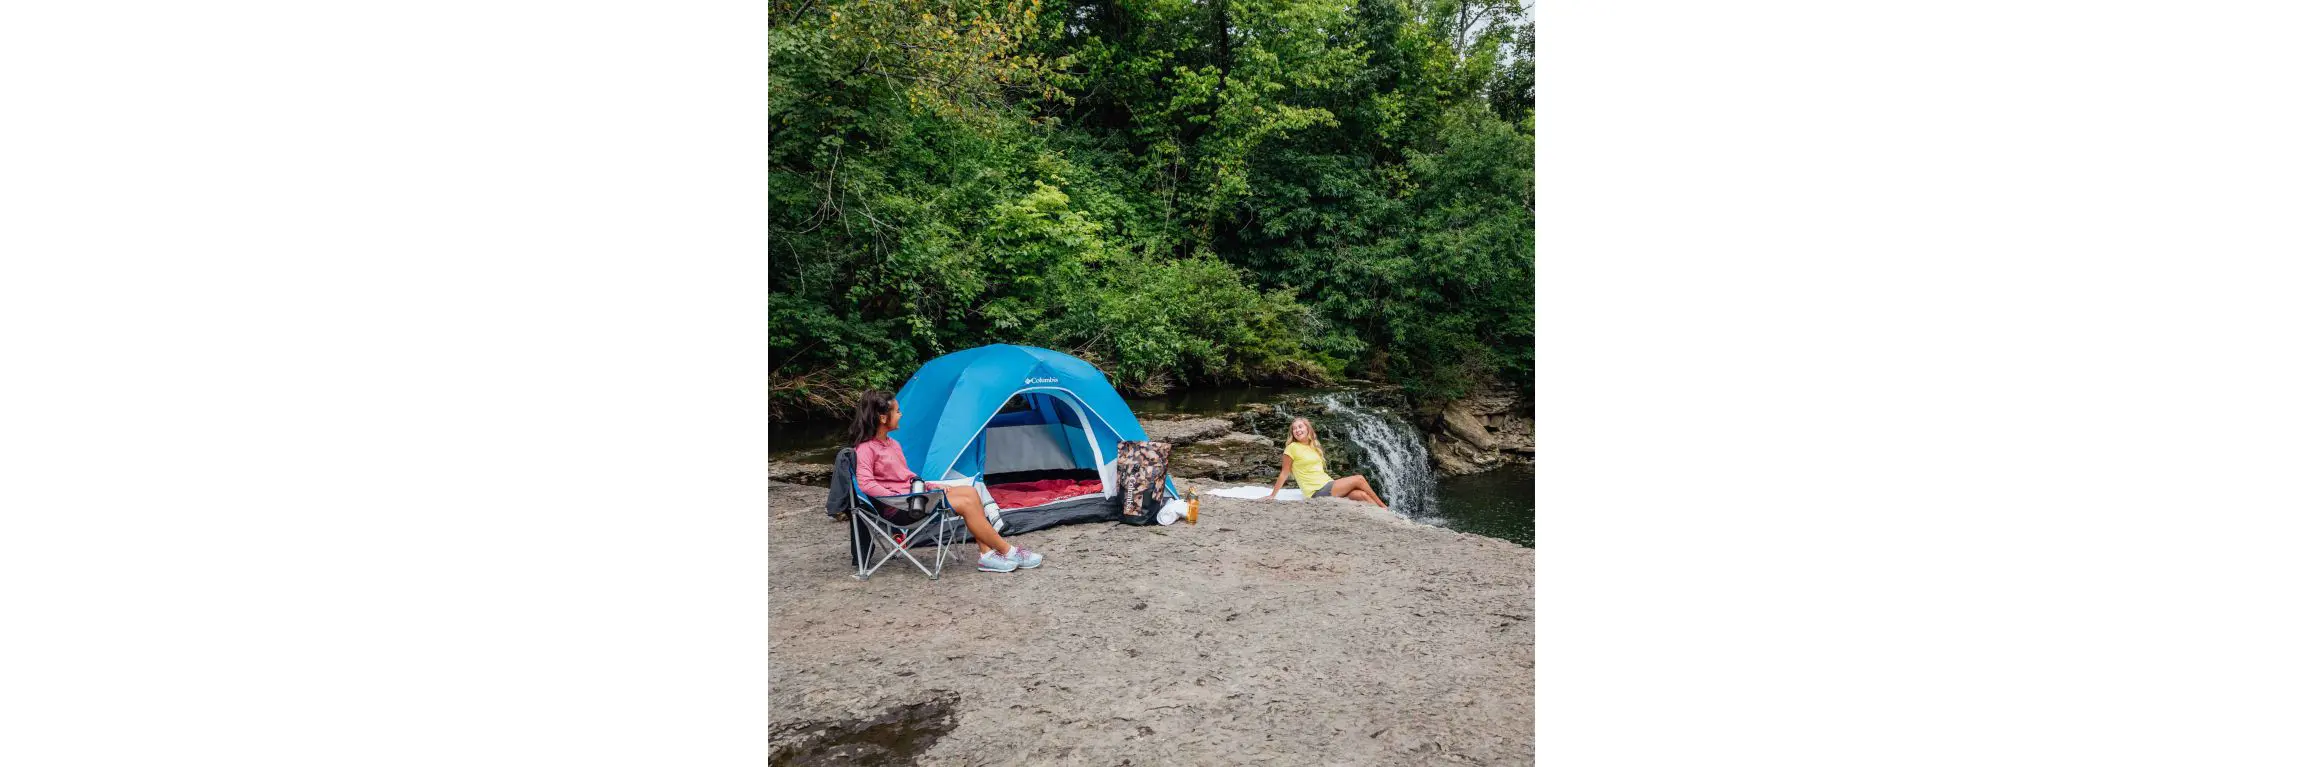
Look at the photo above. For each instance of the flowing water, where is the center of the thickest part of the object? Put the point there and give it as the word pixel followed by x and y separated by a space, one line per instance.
pixel 1389 452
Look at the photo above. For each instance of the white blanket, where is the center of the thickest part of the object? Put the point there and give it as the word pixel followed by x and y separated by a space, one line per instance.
pixel 1252 491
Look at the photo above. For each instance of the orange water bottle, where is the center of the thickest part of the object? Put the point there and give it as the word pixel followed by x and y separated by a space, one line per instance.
pixel 1191 506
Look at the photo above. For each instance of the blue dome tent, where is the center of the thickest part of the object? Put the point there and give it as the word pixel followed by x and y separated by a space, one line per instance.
pixel 1006 413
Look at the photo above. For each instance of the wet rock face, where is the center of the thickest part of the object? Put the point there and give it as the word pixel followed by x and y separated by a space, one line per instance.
pixel 1253 418
pixel 897 735
pixel 1482 432
pixel 1452 456
pixel 1232 456
pixel 1463 425
pixel 1517 432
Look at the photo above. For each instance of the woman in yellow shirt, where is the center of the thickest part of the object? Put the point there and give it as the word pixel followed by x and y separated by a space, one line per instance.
pixel 1304 460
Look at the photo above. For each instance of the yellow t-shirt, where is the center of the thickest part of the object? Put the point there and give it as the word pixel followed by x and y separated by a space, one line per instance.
pixel 1311 470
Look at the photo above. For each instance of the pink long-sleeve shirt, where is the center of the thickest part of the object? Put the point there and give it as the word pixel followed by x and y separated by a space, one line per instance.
pixel 880 468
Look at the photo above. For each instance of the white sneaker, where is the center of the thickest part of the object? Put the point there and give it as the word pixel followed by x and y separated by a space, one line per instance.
pixel 994 562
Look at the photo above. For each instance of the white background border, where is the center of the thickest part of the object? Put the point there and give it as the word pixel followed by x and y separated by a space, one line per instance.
pixel 1917 383
pixel 384 383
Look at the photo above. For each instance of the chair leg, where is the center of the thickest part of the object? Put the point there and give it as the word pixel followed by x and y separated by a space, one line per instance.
pixel 937 572
pixel 906 550
pixel 943 529
pixel 858 538
pixel 895 548
pixel 941 520
pixel 863 571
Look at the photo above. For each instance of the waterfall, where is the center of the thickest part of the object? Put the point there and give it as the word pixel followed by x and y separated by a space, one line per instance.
pixel 1386 449
pixel 1395 455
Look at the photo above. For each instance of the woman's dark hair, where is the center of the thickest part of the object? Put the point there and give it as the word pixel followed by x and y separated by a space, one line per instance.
pixel 869 409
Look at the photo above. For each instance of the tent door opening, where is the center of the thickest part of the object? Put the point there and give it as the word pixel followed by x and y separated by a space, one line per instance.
pixel 1040 450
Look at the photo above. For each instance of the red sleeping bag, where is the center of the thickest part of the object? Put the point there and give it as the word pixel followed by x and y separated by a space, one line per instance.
pixel 1020 495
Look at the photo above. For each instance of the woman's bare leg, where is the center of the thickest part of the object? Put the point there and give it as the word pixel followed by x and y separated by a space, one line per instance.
pixel 971 509
pixel 1358 484
pixel 1362 496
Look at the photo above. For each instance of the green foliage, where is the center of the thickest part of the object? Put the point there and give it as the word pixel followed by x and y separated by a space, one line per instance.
pixel 1187 192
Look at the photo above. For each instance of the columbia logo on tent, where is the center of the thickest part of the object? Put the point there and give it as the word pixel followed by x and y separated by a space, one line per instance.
pixel 1030 381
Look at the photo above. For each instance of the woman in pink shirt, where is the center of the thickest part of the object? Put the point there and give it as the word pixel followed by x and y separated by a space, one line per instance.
pixel 880 472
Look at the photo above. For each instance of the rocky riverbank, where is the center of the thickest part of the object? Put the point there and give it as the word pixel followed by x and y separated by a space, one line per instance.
pixel 1315 632
pixel 1474 434
pixel 1482 432
pixel 1470 435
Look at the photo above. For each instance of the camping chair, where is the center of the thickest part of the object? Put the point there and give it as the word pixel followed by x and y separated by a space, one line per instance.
pixel 871 533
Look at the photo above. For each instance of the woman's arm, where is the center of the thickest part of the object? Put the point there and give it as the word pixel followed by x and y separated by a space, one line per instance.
pixel 1287 462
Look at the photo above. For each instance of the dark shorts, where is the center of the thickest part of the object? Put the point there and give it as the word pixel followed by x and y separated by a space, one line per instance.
pixel 892 508
pixel 1323 491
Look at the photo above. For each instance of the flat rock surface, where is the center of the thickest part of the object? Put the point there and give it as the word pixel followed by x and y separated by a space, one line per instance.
pixel 1314 632
pixel 819 474
pixel 1184 431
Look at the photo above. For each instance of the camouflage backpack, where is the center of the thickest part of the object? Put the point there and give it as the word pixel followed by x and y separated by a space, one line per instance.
pixel 1143 474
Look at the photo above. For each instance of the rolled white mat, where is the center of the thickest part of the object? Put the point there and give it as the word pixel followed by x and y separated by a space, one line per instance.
pixel 991 507
pixel 983 493
pixel 1254 492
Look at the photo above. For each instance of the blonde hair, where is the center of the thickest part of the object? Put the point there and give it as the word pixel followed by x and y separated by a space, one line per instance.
pixel 1312 436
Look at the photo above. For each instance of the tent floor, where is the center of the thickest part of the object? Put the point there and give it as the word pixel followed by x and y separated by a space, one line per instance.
pixel 1086 508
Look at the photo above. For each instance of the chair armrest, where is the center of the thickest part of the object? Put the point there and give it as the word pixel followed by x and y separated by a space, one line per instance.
pixel 936 497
